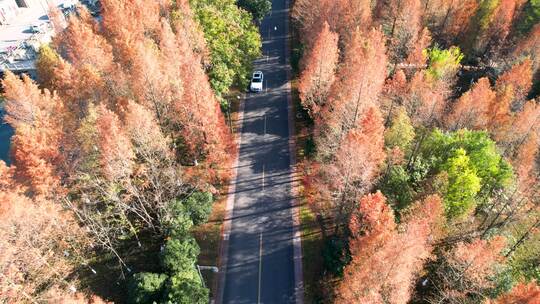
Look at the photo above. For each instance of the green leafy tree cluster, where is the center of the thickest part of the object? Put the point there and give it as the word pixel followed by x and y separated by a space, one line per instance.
pixel 485 159
pixel 258 8
pixel 463 184
pixel 401 132
pixel 233 40
pixel 464 166
pixel 443 63
pixel 180 281
pixel 530 16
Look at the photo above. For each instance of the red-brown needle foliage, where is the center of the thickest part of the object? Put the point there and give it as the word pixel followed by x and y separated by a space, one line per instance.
pixel 477 259
pixel 332 188
pixel 37 133
pixel 360 82
pixel 343 16
pixel 426 99
pixel 416 55
pixel 385 262
pixel 456 17
pixel 529 46
pixel 520 294
pixel 519 78
pixel 402 19
pixel 116 154
pixel 466 270
pixel 471 109
pixel 36 238
pixel 319 73
pixel 501 23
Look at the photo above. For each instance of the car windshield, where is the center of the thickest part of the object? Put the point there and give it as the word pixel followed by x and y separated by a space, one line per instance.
pixel 257 80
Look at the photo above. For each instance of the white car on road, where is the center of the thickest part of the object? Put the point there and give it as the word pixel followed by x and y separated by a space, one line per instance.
pixel 256 82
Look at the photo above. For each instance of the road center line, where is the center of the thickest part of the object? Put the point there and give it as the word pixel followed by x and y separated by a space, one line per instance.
pixel 260 268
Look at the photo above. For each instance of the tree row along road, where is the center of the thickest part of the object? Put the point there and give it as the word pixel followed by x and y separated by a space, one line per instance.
pixel 259 259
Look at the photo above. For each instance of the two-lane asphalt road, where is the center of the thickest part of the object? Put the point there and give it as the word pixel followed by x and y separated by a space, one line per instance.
pixel 260 259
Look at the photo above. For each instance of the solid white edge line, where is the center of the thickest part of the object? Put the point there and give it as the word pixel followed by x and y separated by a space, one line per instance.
pixel 224 248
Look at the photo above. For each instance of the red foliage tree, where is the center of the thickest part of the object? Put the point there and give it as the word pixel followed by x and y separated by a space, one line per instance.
pixel 384 261
pixel 520 294
pixel 465 271
pixel 519 78
pixel 393 92
pixel 453 17
pixel 353 15
pixel 334 187
pixel 37 133
pixel 116 154
pixel 426 99
pixel 319 73
pixel 501 23
pixel 471 109
pixel 360 82
pixel 416 54
pixel 529 46
pixel 402 19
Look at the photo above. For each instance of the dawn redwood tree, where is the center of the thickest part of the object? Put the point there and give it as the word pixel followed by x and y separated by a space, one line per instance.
pixel 202 124
pixel 358 162
pixel 385 259
pixel 372 226
pixel 522 124
pixel 464 272
pixel 333 187
pixel 401 21
pixel 40 244
pixel 37 137
pixel 319 73
pixel 500 25
pixel 360 81
pixel 116 153
pixel 529 46
pixel 354 15
pixel 416 55
pixel 426 99
pixel 393 93
pixel 449 19
pixel 522 293
pixel 471 109
pixel 519 78
pixel 183 21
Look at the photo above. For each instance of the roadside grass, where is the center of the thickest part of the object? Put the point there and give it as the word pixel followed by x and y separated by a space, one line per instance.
pixel 208 235
pixel 312 240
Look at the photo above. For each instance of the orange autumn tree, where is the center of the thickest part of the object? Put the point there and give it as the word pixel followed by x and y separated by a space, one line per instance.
pixel 385 259
pixel 519 78
pixel 332 187
pixel 116 157
pixel 529 46
pixel 402 21
pixel 360 81
pixel 471 109
pixel 522 293
pixel 35 145
pixel 464 272
pixel 41 244
pixel 319 73
pixel 141 69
